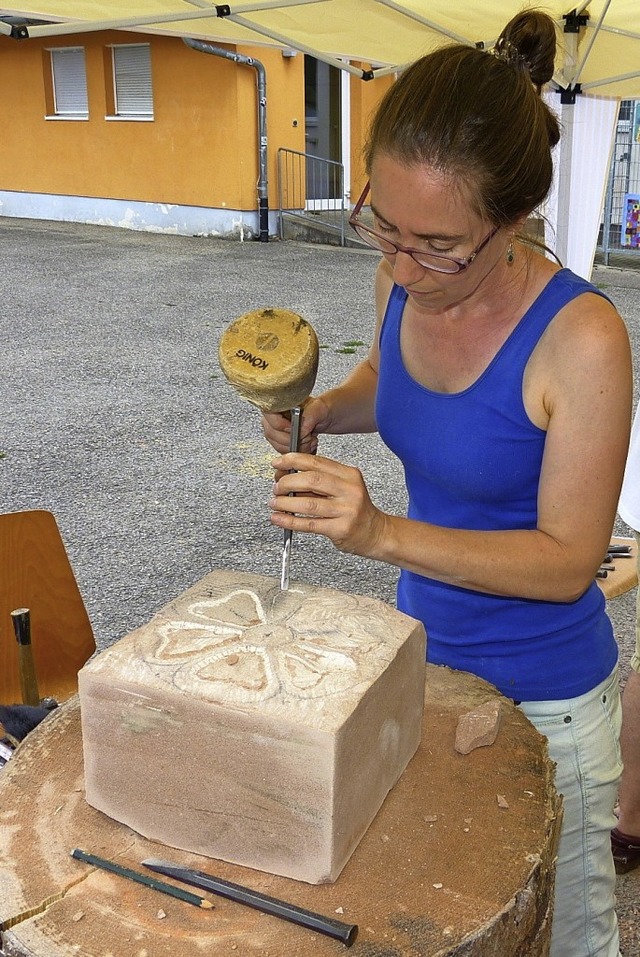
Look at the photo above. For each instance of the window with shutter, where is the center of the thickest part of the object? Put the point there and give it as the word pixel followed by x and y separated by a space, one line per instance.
pixel 69 83
pixel 133 94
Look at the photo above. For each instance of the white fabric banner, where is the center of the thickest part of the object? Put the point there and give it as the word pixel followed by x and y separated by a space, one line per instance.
pixel 573 209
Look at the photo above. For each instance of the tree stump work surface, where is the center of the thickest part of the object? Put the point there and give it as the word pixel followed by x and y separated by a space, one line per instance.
pixel 459 861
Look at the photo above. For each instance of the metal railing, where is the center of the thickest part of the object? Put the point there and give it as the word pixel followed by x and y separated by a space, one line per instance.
pixel 620 227
pixel 311 191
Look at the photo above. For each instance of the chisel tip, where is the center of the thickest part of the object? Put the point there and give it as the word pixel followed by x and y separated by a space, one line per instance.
pixel 286 555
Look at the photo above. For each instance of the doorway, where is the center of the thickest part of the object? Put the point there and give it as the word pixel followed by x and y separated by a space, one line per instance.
pixel 323 98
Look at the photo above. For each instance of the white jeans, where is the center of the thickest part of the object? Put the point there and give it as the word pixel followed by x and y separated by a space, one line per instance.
pixel 584 741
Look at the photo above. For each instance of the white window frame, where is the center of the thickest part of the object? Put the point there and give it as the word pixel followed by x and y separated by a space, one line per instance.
pixel 132 82
pixel 69 83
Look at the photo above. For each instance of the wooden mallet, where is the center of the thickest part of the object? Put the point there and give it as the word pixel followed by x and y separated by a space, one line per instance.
pixel 270 356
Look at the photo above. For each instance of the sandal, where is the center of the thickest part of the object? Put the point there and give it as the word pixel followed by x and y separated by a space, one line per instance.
pixel 625 850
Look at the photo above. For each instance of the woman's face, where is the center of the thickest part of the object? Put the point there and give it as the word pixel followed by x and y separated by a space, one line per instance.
pixel 422 208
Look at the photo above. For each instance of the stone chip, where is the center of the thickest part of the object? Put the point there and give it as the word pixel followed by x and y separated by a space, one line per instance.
pixel 478 728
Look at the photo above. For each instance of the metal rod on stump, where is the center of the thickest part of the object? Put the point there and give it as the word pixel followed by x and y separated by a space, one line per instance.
pixel 26 665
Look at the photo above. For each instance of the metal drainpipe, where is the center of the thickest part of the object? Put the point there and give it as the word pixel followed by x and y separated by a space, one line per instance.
pixel 263 195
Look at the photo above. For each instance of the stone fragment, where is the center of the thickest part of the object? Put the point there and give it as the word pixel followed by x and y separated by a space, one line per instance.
pixel 479 727
pixel 279 762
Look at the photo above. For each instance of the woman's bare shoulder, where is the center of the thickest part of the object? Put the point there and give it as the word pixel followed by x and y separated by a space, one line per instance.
pixel 586 353
pixel 590 321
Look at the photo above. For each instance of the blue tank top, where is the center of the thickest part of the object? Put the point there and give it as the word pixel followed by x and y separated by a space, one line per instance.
pixel 472 460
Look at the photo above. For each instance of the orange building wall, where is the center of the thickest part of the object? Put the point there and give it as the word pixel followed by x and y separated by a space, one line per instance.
pixel 201 148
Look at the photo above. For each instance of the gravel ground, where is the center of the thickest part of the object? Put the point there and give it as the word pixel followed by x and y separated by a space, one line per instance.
pixel 117 419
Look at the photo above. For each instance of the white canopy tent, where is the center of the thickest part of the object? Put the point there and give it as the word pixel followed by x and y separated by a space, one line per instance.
pixel 598 62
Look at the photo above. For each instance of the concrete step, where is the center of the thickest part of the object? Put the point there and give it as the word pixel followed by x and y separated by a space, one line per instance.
pixel 319 228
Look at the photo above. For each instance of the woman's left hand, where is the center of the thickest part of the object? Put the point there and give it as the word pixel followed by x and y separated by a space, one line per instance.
pixel 324 497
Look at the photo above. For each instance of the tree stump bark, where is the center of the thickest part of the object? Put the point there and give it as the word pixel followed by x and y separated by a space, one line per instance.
pixel 459 861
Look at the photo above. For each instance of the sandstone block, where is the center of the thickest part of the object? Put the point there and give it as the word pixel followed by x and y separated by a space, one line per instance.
pixel 259 726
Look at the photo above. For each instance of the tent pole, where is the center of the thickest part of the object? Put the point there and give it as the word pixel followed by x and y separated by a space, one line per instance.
pixel 576 77
pixel 567 113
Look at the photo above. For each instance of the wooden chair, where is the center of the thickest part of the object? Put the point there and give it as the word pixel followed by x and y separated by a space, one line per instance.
pixel 35 573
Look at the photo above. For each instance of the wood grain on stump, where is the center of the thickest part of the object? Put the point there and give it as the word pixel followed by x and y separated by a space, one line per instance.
pixel 459 862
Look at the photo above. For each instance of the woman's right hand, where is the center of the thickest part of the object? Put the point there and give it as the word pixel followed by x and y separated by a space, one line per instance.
pixel 315 419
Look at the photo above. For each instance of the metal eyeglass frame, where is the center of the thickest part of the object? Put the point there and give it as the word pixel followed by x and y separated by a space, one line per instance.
pixel 454 265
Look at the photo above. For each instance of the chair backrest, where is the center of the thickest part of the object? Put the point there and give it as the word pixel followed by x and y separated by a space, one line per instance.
pixel 35 573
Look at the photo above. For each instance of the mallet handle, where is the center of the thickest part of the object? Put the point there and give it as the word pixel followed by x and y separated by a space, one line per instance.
pixel 294 444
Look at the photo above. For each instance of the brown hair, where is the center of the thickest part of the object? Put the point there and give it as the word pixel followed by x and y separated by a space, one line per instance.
pixel 478 117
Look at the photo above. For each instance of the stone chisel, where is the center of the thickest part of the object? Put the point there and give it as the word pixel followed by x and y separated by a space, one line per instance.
pixel 346 933
pixel 296 415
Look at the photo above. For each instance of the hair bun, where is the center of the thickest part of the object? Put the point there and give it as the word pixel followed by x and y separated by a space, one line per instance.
pixel 528 42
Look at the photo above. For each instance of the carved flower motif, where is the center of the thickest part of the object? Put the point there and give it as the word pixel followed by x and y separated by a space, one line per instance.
pixel 237 651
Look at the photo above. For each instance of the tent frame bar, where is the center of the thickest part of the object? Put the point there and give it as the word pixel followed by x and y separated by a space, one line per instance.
pixel 431 24
pixel 216 11
pixel 592 39
pixel 234 14
pixel 612 79
pixel 303 48
pixel 567 77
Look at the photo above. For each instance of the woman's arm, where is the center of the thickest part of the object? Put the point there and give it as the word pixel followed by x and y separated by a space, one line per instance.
pixel 579 386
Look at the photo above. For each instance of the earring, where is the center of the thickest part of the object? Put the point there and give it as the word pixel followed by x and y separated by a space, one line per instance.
pixel 510 253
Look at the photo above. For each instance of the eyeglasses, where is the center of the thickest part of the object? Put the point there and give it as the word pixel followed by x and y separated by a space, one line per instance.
pixel 448 264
